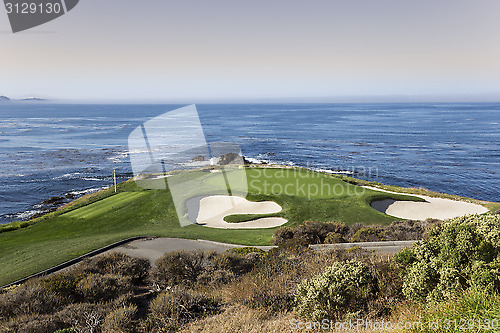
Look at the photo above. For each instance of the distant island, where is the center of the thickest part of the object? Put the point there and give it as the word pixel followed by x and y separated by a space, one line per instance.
pixel 27 99
pixel 33 99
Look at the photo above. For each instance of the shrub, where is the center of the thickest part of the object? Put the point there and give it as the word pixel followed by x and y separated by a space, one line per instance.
pixel 273 302
pixel 172 309
pixel 117 263
pixel 82 317
pixel 472 311
pixel 31 298
pixel 389 294
pixel 177 267
pixel 283 259
pixel 460 253
pixel 282 234
pixel 410 229
pixel 64 283
pixel 31 324
pixel 396 231
pixel 98 288
pixel 124 300
pixel 369 234
pixel 342 288
pixel 242 251
pixel 217 277
pixel 292 246
pixel 274 278
pixel 311 232
pixel 119 320
pixel 9 227
pixel 231 262
pixel 334 237
pixel 255 258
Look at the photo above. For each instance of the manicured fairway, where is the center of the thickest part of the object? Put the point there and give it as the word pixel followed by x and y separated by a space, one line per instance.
pixel 104 206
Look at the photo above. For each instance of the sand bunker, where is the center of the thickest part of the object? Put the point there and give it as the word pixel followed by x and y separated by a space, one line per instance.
pixel 433 207
pixel 213 209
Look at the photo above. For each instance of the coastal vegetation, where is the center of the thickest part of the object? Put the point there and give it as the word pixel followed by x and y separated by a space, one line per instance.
pixel 289 286
pixel 314 232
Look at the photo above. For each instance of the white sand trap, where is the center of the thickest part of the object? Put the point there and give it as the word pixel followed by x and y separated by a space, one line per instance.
pixel 214 208
pixel 433 207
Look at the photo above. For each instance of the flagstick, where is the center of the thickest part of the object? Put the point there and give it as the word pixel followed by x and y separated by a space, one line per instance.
pixel 114 176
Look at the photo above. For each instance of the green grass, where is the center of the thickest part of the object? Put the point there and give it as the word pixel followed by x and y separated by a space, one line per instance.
pixel 115 203
pixel 237 218
pixel 102 218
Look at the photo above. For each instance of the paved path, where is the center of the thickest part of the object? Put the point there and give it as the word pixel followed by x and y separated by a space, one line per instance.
pixel 153 248
pixel 387 247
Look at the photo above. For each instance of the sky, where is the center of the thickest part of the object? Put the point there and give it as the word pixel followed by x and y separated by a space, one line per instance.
pixel 258 50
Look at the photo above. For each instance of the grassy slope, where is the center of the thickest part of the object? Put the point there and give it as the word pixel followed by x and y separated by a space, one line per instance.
pixel 103 218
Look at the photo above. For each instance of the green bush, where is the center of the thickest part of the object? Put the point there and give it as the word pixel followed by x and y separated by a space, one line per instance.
pixel 9 227
pixel 343 288
pixel 242 251
pixel 460 253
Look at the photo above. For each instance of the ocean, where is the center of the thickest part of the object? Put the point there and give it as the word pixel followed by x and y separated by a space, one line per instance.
pixel 65 151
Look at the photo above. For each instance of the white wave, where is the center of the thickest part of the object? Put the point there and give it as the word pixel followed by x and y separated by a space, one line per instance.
pixel 68 176
pixel 335 172
pixel 87 191
pixel 27 214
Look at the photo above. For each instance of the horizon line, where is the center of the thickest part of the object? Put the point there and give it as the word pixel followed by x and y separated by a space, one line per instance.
pixel 427 98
